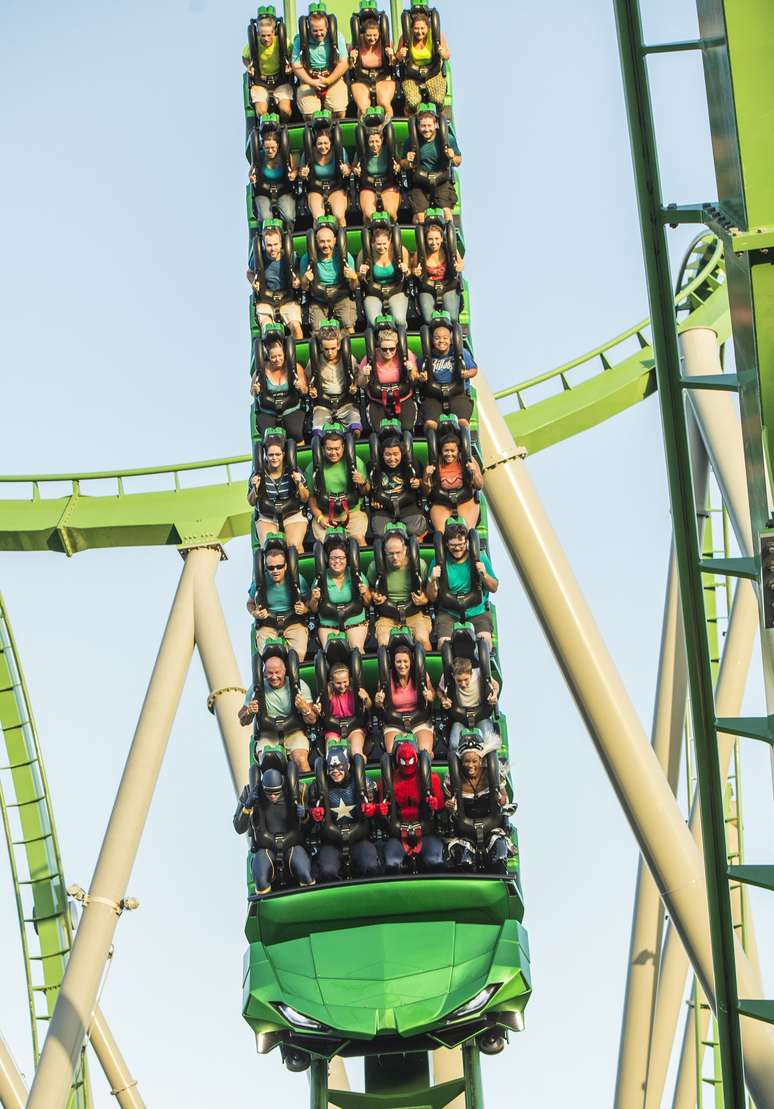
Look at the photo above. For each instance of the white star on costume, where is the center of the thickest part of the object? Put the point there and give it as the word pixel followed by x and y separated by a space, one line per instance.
pixel 343 810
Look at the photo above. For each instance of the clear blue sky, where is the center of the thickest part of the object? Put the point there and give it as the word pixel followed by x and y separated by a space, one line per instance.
pixel 124 342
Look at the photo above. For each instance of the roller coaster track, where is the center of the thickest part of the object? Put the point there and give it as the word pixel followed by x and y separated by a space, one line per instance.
pixel 36 866
pixel 110 509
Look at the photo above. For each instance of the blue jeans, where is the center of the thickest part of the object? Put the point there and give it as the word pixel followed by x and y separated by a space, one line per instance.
pixel 488 734
pixel 397 306
pixel 451 304
pixel 286 204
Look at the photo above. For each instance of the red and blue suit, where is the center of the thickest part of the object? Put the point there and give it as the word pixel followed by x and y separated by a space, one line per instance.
pixel 412 809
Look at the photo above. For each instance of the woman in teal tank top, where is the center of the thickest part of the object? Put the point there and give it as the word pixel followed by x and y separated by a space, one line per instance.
pixel 385 273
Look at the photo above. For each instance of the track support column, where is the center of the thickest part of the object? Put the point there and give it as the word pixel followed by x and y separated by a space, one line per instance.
pixel 75 1004
pixel 474 1091
pixel 318 1084
pixel 13 1093
pixel 123 1086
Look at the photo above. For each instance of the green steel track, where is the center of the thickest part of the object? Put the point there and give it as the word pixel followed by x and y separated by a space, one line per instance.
pixel 36 866
pixel 102 509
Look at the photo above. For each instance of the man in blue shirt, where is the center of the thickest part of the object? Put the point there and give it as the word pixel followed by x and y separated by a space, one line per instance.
pixel 278 289
pixel 445 386
pixel 333 272
pixel 451 586
pixel 320 69
pixel 430 161
pixel 280 618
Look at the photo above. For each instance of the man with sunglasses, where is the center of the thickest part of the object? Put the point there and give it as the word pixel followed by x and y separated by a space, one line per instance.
pixel 389 381
pixel 276 614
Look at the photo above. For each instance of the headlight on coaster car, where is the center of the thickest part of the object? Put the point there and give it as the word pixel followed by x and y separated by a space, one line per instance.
pixel 292 1016
pixel 482 998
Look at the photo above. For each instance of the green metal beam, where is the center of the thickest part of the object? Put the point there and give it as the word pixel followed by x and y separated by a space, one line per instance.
pixel 474 1090
pixel 672 403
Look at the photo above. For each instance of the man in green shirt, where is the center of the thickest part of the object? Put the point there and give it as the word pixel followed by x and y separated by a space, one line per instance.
pixel 460 586
pixel 400 604
pixel 337 490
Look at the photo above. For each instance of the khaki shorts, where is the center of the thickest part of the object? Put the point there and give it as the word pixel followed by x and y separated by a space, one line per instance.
pixel 289 313
pixel 336 98
pixel 259 93
pixel 294 741
pixel 274 523
pixel 295 635
pixel 356 526
pixel 419 622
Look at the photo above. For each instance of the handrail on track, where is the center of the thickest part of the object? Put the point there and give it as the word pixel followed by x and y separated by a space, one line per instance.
pixel 118 475
pixel 708 275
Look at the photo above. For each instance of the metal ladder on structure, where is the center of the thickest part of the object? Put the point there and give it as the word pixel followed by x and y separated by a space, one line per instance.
pixel 726 47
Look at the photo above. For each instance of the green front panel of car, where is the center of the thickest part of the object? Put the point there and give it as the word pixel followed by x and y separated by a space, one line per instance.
pixel 437 944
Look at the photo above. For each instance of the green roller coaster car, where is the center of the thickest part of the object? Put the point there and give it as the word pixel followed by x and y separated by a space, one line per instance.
pixel 393 965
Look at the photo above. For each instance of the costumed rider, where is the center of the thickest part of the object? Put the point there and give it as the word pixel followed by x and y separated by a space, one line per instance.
pixel 459 582
pixel 414 796
pixel 337 481
pixel 273 814
pixel 340 805
pixel 447 367
pixel 478 803
pixel 278 595
pixel 333 380
pixel 265 59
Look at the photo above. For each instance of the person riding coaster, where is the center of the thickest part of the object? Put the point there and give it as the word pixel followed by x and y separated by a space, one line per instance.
pixel 377 168
pixel 278 384
pixel 273 276
pixel 271 810
pixel 430 155
pixel 333 375
pixel 371 59
pixel 395 483
pixel 388 373
pixel 396 576
pixel 277 489
pixel 272 172
pixel 268 64
pixel 337 480
pixel 325 168
pixel 343 704
pixel 340 595
pixel 422 49
pixel 405 694
pixel 278 595
pixel 467 690
pixel 437 265
pixel 446 368
pixel 328 275
pixel 383 266
pixel 414 796
pixel 478 802
pixel 280 703
pixel 452 479
pixel 320 60
pixel 459 582
pixel 339 803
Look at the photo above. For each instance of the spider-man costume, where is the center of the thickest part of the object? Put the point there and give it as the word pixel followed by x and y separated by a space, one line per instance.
pixel 414 813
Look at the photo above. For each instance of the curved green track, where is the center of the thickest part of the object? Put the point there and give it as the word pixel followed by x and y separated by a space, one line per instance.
pixel 110 509
pixel 36 865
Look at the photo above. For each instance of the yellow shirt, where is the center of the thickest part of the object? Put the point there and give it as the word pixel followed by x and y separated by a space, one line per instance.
pixel 422 55
pixel 269 58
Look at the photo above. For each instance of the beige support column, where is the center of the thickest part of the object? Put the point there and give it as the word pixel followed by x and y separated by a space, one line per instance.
pixel 73 1011
pixel 123 1086
pixel 447 1065
pixel 648 916
pixel 13 1092
pixel 220 666
pixel 667 742
pixel 672 855
pixel 338 1078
